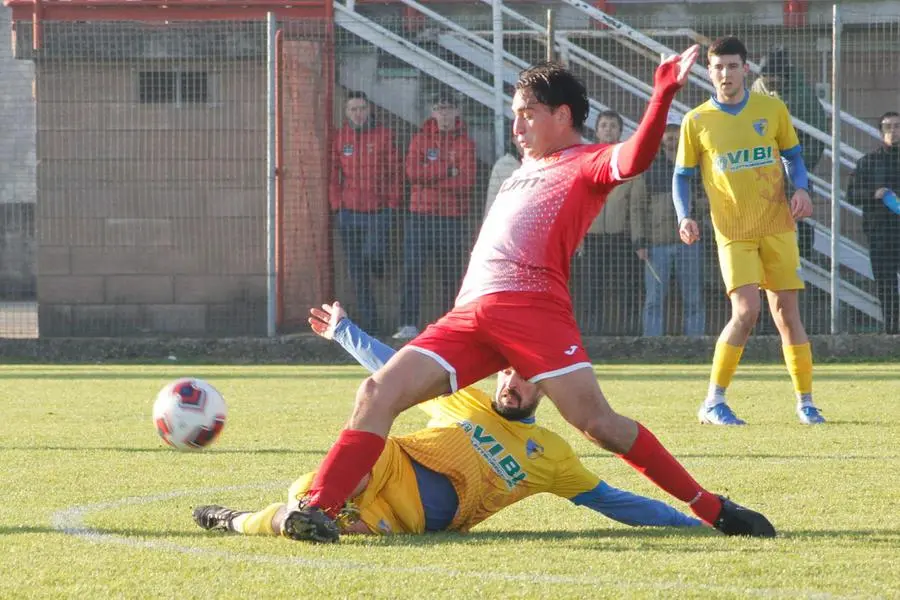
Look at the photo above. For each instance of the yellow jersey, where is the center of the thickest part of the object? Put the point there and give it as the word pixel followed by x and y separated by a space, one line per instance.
pixel 492 462
pixel 738 149
pixel 489 461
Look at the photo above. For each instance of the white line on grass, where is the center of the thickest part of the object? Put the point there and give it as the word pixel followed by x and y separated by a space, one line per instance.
pixel 71 521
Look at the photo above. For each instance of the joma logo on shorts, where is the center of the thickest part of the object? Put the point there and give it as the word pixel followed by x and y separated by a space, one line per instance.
pixel 502 463
pixel 745 158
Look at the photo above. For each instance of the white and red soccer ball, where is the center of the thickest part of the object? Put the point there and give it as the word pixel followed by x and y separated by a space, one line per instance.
pixel 189 414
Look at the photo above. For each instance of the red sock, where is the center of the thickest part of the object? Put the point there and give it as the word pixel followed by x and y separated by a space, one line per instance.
pixel 649 457
pixel 351 457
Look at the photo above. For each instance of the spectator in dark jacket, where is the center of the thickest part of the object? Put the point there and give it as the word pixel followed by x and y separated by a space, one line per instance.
pixel 876 179
pixel 779 76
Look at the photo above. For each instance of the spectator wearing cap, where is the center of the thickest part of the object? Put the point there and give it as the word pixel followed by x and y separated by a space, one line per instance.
pixel 654 232
pixel 365 187
pixel 440 166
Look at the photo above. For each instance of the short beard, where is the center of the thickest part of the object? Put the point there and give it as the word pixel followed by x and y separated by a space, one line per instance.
pixel 512 413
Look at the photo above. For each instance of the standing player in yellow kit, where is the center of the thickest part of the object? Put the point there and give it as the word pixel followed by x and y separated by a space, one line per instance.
pixel 738 142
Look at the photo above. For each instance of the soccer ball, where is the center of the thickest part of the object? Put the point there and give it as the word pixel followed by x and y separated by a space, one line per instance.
pixel 189 414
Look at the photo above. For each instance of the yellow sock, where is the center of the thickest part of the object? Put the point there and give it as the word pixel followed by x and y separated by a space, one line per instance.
pixel 725 363
pixel 258 523
pixel 799 364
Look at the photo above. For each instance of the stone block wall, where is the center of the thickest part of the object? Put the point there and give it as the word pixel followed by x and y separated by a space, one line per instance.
pixel 17 168
pixel 151 217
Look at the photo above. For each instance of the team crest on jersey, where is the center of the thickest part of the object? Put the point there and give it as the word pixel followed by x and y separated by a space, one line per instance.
pixel 432 154
pixel 761 126
pixel 533 449
pixel 347 150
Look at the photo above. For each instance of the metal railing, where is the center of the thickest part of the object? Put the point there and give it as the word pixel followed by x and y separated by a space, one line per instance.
pixel 155 208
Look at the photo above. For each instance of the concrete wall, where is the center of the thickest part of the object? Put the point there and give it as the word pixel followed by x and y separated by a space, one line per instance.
pixel 17 168
pixel 151 217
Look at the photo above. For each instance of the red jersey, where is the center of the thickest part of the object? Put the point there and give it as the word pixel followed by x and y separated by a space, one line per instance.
pixel 539 218
pixel 366 173
pixel 440 165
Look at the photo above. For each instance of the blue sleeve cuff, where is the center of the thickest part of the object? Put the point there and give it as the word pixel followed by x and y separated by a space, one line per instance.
pixel 681 195
pixel 792 152
pixel 632 509
pixel 367 351
pixel 796 169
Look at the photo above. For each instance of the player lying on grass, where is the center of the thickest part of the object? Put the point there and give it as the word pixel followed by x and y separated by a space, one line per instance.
pixel 514 308
pixel 477 453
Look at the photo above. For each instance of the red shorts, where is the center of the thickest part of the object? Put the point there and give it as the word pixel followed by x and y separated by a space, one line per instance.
pixel 530 331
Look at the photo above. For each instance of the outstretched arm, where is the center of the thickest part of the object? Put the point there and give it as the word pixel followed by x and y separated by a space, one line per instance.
pixel 332 323
pixel 632 509
pixel 367 351
pixel 634 156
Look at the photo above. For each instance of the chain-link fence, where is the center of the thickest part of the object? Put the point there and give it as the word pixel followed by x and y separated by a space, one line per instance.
pixel 150 180
pixel 145 207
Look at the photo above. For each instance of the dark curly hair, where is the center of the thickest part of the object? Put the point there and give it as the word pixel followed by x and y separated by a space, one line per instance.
pixel 553 85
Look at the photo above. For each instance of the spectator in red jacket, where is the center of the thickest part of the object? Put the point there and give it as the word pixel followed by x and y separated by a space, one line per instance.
pixel 440 165
pixel 366 183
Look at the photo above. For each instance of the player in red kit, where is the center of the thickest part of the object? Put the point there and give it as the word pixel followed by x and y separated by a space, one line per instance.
pixel 514 306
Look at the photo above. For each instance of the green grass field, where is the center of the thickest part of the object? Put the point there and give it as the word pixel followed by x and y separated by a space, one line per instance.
pixel 94 505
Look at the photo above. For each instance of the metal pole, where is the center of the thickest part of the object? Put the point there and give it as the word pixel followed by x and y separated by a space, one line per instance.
pixel 500 135
pixel 835 168
pixel 271 290
pixel 551 36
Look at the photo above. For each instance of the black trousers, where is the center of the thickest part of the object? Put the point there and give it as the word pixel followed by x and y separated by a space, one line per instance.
pixel 606 286
pixel 885 257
